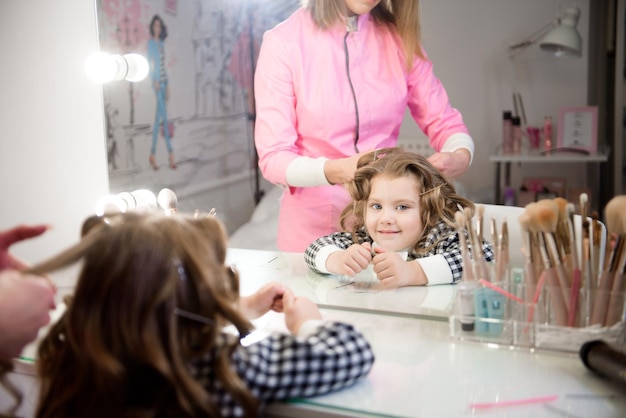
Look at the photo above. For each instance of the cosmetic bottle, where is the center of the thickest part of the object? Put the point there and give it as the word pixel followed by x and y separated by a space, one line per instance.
pixel 516 133
pixel 466 290
pixel 507 132
pixel 547 133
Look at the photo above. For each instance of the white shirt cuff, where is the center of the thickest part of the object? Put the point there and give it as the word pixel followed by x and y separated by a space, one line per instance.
pixel 457 141
pixel 436 269
pixel 309 327
pixel 306 172
pixel 322 256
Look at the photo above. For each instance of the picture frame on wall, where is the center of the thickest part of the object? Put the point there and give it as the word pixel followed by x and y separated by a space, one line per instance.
pixel 578 129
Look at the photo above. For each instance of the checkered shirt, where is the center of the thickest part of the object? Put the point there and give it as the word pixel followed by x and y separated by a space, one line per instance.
pixel 283 366
pixel 443 236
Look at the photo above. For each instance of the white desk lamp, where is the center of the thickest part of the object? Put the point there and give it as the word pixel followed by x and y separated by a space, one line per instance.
pixel 559 37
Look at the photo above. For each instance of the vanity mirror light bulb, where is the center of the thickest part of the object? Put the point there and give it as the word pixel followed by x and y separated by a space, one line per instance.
pixel 109 204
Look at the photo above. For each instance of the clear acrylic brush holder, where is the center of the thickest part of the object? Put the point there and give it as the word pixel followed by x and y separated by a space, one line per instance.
pixel 497 313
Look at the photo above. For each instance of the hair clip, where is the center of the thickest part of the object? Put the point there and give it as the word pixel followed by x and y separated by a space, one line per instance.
pixel 433 189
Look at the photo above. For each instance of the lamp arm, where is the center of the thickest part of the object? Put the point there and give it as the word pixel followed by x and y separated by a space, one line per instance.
pixel 533 37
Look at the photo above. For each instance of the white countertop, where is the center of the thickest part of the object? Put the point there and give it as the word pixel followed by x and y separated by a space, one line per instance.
pixel 420 371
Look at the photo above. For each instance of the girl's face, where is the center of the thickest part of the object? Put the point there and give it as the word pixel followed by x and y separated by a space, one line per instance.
pixel 360 7
pixel 392 215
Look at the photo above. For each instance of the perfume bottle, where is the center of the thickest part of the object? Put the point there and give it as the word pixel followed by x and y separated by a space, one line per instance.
pixel 516 134
pixel 547 133
pixel 507 132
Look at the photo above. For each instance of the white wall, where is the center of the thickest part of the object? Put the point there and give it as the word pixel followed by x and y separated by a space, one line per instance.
pixel 52 153
pixel 467 41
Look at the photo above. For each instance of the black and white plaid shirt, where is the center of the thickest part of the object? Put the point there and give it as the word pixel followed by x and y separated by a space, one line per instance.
pixel 443 236
pixel 283 366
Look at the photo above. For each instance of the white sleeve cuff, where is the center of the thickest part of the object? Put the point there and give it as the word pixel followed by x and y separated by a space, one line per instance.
pixel 309 327
pixel 459 140
pixel 436 269
pixel 306 172
pixel 322 255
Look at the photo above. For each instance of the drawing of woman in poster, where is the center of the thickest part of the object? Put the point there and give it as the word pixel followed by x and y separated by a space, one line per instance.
pixel 158 75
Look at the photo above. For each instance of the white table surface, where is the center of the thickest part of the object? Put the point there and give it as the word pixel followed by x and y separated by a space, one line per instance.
pixel 419 370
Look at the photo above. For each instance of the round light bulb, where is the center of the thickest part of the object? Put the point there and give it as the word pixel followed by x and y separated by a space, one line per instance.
pixel 109 204
pixel 138 67
pixel 100 67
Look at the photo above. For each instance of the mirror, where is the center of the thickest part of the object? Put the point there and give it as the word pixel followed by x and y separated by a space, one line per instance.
pixel 188 125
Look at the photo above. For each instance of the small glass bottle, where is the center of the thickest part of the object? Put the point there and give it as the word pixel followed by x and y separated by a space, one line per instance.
pixel 516 146
pixel 507 132
pixel 547 133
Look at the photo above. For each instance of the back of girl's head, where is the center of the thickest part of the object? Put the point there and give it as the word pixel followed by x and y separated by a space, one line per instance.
pixel 127 334
pixel 438 198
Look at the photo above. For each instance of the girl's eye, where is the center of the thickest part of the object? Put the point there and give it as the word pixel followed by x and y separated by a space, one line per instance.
pixel 402 207
pixel 376 206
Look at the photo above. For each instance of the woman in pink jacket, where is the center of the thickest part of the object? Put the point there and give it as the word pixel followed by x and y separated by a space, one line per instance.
pixel 333 81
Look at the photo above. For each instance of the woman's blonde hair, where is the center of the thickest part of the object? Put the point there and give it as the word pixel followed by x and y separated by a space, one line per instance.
pixel 439 200
pixel 123 346
pixel 401 16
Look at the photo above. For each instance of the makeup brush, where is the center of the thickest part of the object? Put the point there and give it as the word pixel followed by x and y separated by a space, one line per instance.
pixel 596 238
pixel 563 233
pixel 479 222
pixel 616 301
pixel 167 201
pixel 614 223
pixel 481 268
pixel 502 262
pixel 546 218
pixel 495 240
pixel 468 269
pixel 548 276
pixel 576 273
pixel 529 268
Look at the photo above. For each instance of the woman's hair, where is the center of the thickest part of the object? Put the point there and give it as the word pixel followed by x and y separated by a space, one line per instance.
pixel 438 198
pixel 163 33
pixel 402 16
pixel 152 295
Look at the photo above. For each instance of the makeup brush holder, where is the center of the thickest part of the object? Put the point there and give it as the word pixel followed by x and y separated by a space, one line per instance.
pixel 482 314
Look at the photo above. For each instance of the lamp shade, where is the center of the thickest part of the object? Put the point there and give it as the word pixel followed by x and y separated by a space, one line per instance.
pixel 564 39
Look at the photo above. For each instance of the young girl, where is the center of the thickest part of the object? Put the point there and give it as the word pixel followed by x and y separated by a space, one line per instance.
pixel 400 203
pixel 144 333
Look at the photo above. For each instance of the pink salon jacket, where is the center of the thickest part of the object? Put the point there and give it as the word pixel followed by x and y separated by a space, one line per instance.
pixel 305 107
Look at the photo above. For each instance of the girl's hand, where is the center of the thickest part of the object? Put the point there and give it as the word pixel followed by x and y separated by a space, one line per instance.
pixel 451 164
pixel 267 298
pixel 298 310
pixel 393 271
pixel 351 261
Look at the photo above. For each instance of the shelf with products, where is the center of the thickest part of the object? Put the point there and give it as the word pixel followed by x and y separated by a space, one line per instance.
pixel 555 156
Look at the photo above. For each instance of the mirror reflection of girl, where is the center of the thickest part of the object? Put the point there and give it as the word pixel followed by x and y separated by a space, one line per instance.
pixel 145 333
pixel 160 84
pixel 401 202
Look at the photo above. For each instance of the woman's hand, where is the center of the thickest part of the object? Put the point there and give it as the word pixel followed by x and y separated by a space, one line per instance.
pixel 451 164
pixel 341 170
pixel 351 261
pixel 25 302
pixel 267 298
pixel 10 237
pixel 298 310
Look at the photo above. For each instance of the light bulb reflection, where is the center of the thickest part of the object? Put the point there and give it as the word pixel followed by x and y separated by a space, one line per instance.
pixel 109 204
